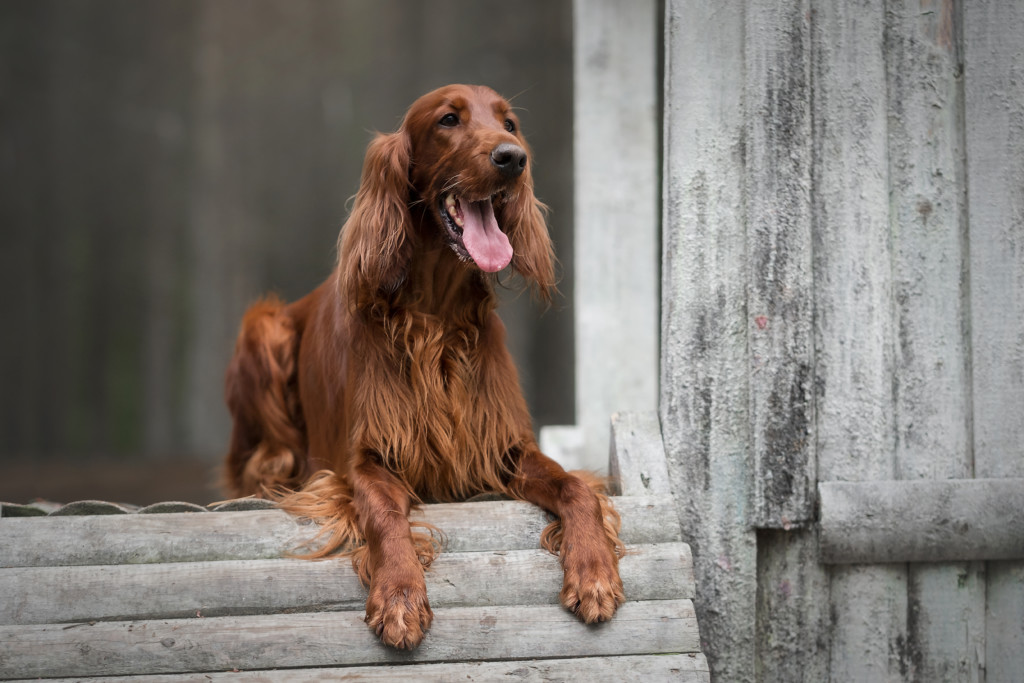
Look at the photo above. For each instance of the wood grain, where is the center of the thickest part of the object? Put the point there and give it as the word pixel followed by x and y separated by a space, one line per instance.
pixel 994 118
pixel 686 668
pixel 780 292
pixel 337 639
pixel 140 539
pixel 854 335
pixel 637 462
pixel 40 595
pixel 704 384
pixel 933 520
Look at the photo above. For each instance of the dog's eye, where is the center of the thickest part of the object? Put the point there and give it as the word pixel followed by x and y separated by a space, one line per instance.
pixel 510 125
pixel 449 120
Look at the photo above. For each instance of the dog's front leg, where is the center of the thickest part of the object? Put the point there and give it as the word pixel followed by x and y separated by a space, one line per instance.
pixel 397 608
pixel 591 588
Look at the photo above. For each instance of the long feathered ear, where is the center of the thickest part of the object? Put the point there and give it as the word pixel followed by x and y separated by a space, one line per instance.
pixel 375 244
pixel 533 256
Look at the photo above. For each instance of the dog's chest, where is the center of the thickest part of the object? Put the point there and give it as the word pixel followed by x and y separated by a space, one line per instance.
pixel 455 436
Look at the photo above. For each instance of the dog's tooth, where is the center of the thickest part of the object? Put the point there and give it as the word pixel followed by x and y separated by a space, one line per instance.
pixel 452 205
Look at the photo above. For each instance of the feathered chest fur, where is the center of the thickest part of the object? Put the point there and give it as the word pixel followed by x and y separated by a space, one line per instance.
pixel 428 403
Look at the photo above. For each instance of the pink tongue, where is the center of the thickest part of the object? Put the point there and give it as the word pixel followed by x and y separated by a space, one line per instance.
pixel 484 241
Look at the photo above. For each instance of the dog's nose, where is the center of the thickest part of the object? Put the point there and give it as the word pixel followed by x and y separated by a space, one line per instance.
pixel 510 159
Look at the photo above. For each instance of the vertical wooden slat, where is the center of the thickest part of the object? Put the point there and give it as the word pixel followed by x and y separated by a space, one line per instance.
pixel 945 618
pixel 853 325
pixel 1004 622
pixel 946 621
pixel 170 32
pixel 793 616
pixel 994 117
pixel 779 296
pixel 221 274
pixel 852 248
pixel 928 229
pixel 704 398
pixel 792 588
pixel 994 83
pixel 869 623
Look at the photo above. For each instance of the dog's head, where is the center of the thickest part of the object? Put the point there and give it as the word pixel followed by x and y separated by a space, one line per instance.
pixel 461 158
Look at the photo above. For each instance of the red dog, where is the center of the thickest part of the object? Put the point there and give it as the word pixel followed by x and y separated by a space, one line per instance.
pixel 393 377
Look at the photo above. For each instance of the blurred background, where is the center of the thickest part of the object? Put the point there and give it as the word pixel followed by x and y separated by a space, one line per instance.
pixel 164 163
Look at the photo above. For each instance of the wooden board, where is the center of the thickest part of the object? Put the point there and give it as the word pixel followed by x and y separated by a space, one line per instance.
pixel 931 386
pixel 638 465
pixel 853 315
pixel 704 382
pixel 138 539
pixel 777 94
pixel 337 639
pixel 994 118
pixel 686 668
pixel 792 589
pixel 793 615
pixel 921 520
pixel 40 595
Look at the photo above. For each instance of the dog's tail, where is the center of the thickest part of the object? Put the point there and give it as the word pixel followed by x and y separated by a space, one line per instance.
pixel 268 444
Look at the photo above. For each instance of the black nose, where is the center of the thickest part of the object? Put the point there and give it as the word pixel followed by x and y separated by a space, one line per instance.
pixel 510 159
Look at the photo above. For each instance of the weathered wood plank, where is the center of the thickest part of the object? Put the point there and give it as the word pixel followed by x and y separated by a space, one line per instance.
pixel 854 336
pixel 792 589
pixel 338 639
pixel 852 255
pixel 686 668
pixel 1004 622
pixel 931 520
pixel 932 381
pixel 777 95
pixel 995 167
pixel 994 118
pixel 929 232
pixel 615 174
pixel 946 622
pixel 868 602
pixel 138 539
pixel 40 595
pixel 704 394
pixel 637 459
pixel 793 619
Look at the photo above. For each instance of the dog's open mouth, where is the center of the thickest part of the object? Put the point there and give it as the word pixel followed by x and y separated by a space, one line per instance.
pixel 473 232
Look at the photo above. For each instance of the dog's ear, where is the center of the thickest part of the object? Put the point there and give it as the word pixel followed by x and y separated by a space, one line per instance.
pixel 376 242
pixel 533 255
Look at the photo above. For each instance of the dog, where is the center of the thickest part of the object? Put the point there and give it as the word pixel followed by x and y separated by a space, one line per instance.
pixel 390 385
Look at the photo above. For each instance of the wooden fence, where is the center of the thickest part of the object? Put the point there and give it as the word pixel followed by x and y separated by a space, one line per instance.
pixel 843 301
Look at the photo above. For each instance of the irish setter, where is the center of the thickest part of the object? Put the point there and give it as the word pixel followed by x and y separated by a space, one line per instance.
pixel 392 378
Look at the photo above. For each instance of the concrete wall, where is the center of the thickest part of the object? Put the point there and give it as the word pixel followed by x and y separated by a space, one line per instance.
pixel 615 240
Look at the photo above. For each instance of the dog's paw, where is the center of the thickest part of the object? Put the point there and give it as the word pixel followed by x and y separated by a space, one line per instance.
pixel 398 612
pixel 592 589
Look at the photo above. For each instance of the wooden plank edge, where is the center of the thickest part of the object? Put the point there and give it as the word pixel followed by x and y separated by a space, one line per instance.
pixel 338 639
pixel 686 668
pixel 637 459
pixel 265 534
pixel 41 595
pixel 935 520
